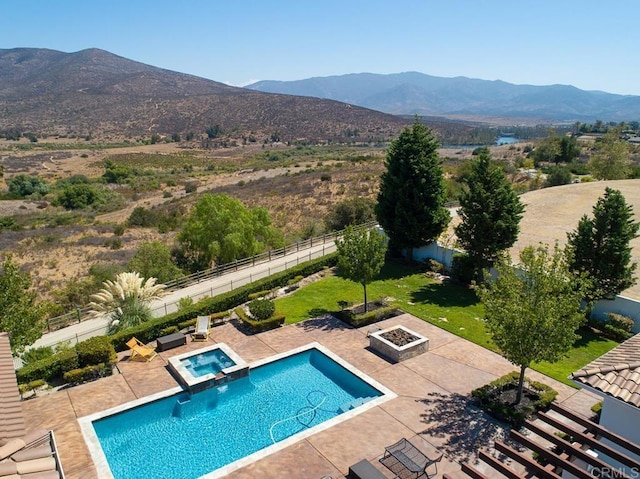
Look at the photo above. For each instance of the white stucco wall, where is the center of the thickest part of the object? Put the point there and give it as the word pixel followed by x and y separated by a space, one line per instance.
pixel 621 304
pixel 624 420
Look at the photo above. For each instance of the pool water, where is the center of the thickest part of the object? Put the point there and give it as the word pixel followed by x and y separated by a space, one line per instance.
pixel 211 362
pixel 186 436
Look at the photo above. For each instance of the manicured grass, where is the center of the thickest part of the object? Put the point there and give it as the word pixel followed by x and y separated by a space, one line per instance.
pixel 452 307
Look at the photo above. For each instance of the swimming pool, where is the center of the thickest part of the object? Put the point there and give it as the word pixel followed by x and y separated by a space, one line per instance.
pixel 183 436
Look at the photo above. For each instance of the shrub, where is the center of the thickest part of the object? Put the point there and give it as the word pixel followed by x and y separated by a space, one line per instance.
pixel 256 326
pixel 95 350
pixel 31 386
pixel 119 229
pixel 489 398
pixel 294 281
pixel 169 330
pixel 597 410
pixel 357 320
pixel 620 321
pixel 617 327
pixel 25 185
pixel 78 196
pixel 88 373
pixel 259 294
pixel 150 330
pixel 434 266
pixel 462 268
pixel 262 309
pixel 67 360
pixel 185 302
pixel 36 354
pixel 190 187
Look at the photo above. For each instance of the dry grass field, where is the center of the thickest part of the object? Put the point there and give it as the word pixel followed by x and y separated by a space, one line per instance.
pixel 297 186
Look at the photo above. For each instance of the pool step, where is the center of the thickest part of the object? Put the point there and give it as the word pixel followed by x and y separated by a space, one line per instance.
pixel 354 404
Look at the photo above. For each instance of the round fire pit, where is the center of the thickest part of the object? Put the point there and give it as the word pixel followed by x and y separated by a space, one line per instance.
pixel 398 343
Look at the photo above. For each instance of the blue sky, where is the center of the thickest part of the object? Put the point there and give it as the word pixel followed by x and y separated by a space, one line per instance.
pixel 590 44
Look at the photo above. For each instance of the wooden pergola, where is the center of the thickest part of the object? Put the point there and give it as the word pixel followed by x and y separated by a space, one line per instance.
pixel 557 454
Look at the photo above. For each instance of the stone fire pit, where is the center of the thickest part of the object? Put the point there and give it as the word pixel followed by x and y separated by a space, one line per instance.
pixel 398 343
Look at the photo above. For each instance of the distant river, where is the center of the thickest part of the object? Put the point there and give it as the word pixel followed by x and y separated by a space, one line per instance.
pixel 503 140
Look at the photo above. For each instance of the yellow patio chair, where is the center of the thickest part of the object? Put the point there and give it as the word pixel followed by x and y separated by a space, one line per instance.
pixel 139 349
pixel 202 329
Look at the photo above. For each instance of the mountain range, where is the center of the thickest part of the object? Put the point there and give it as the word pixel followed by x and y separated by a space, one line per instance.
pixel 94 92
pixel 416 93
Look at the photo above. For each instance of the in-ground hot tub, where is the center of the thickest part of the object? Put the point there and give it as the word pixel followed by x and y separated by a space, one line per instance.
pixel 208 367
pixel 398 343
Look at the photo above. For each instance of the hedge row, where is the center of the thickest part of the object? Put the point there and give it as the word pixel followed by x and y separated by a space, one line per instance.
pixel 93 351
pixel 370 317
pixel 100 349
pixel 88 373
pixel 259 326
pixel 150 330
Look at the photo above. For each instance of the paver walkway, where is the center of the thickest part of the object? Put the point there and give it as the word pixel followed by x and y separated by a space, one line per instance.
pixel 432 409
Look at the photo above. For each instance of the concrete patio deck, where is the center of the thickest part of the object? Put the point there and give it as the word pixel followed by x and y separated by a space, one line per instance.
pixel 432 409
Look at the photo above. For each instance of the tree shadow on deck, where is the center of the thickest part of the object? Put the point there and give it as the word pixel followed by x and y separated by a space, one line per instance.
pixel 461 427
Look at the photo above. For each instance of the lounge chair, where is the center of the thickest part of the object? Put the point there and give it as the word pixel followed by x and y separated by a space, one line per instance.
pixel 139 349
pixel 404 459
pixel 202 329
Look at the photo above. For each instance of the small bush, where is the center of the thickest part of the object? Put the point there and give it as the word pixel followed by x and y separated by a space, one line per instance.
pixel 434 266
pixel 295 280
pixel 118 230
pixel 325 177
pixel 262 309
pixel 620 321
pixel 67 360
pixel 616 329
pixel 190 187
pixel 95 350
pixel 169 330
pixel 255 326
pixel 462 268
pixel 88 373
pixel 36 354
pixel 489 398
pixel 597 410
pixel 185 302
pixel 259 294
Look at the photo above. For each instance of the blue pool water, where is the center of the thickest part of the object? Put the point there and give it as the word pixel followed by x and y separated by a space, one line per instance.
pixel 211 362
pixel 184 437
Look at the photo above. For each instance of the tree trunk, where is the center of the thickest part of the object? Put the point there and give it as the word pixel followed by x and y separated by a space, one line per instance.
pixel 365 296
pixel 520 385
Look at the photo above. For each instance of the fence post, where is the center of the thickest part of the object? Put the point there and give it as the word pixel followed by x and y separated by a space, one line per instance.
pixel 231 282
pixel 165 309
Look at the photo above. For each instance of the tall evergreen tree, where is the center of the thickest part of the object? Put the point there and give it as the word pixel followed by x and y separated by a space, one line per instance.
pixel 490 211
pixel 412 193
pixel 600 246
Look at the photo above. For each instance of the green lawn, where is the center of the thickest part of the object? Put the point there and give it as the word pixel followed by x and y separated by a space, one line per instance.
pixel 454 308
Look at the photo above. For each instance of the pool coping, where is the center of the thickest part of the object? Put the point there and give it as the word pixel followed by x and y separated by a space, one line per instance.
pixel 102 465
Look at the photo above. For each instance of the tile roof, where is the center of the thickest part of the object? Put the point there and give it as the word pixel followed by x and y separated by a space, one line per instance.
pixel 616 373
pixel 11 417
